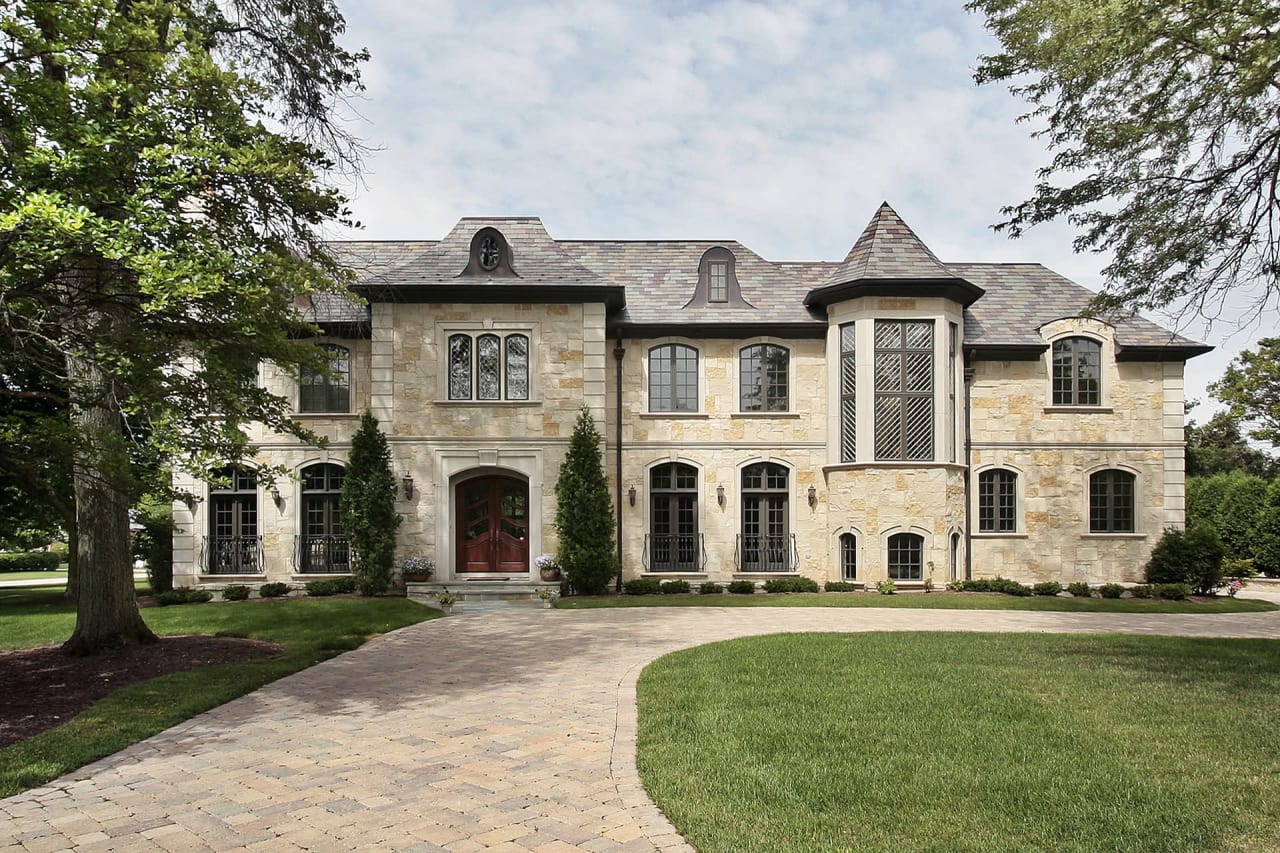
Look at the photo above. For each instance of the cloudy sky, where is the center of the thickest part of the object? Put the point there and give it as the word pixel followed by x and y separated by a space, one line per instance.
pixel 781 125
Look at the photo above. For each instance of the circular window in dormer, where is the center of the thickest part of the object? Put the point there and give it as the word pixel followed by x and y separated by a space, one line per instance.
pixel 489 253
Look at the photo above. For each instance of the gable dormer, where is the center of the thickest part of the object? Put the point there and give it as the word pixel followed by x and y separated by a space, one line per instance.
pixel 490 255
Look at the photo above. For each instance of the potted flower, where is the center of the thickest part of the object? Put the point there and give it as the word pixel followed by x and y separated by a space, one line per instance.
pixel 417 569
pixel 548 568
pixel 447 600
pixel 548 595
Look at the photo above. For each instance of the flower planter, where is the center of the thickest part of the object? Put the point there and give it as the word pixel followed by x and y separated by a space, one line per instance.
pixel 551 574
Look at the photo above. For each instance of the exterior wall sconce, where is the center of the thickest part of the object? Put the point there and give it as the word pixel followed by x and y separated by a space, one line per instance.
pixel 407 482
pixel 813 496
pixel 276 497
pixel 720 494
pixel 631 495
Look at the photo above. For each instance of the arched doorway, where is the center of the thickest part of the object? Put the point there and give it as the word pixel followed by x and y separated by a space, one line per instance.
pixel 493 525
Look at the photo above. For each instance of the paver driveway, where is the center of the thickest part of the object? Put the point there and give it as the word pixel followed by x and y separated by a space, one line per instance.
pixel 501 730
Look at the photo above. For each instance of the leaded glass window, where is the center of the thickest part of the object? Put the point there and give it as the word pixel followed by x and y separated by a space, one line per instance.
pixel 327 392
pixel 1111 502
pixel 517 367
pixel 488 376
pixel 906 557
pixel 498 371
pixel 848 395
pixel 673 378
pixel 1077 372
pixel 459 367
pixel 763 381
pixel 997 501
pixel 904 390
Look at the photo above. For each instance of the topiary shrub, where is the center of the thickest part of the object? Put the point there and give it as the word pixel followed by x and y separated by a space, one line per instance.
pixel 675 587
pixel 841 586
pixel 642 586
pixel 1111 590
pixel 710 588
pixel 584 512
pixel 235 592
pixel 1080 589
pixel 792 584
pixel 742 587
pixel 1172 591
pixel 183 595
pixel 1193 556
pixel 273 590
pixel 1047 588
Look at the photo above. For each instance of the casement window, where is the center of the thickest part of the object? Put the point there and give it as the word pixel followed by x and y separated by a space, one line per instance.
pixel 904 390
pixel 674 544
pixel 322 545
pixel 1111 502
pixel 848 557
pixel 997 501
pixel 1077 372
pixel 327 392
pixel 766 545
pixel 763 378
pixel 233 545
pixel 673 378
pixel 848 394
pixel 906 557
pixel 488 366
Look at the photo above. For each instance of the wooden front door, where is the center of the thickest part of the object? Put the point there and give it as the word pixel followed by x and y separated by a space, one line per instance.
pixel 493 525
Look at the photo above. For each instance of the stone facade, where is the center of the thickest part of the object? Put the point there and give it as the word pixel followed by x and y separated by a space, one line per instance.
pixel 895 386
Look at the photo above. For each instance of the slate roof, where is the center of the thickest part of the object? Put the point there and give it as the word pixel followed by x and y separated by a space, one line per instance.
pixel 660 277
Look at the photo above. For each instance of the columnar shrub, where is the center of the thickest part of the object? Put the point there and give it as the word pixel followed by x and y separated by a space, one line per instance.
pixel 1266 546
pixel 369 515
pixel 154 543
pixel 584 512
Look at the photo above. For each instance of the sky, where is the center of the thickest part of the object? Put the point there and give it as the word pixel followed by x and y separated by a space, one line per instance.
pixel 782 125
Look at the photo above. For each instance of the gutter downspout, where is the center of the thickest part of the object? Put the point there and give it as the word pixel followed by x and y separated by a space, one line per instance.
pixel 968 467
pixel 618 353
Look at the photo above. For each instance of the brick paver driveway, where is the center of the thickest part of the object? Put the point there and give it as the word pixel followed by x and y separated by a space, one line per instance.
pixel 500 730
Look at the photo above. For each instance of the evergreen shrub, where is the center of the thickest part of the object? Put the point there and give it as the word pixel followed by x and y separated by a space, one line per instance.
pixel 584 513
pixel 642 586
pixel 710 588
pixel 1047 588
pixel 791 584
pixel 29 561
pixel 675 587
pixel 741 587
pixel 235 592
pixel 369 515
pixel 183 595
pixel 1080 589
pixel 1111 590
pixel 841 586
pixel 1192 556
pixel 273 590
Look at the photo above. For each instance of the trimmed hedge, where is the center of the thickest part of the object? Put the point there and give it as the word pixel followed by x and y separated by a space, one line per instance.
pixel 1080 589
pixel 273 590
pixel 742 587
pixel 1047 588
pixel 183 595
pixel 791 585
pixel 30 561
pixel 642 586
pixel 996 584
pixel 235 592
pixel 841 586
pixel 331 586
pixel 675 587
pixel 710 588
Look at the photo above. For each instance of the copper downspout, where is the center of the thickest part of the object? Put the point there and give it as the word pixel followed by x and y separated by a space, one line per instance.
pixel 618 353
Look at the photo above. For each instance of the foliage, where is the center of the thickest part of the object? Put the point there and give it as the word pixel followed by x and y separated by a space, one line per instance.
pixel 29 561
pixel 330 586
pixel 841 586
pixel 584 512
pixel 273 590
pixel 417 567
pixel 675 587
pixel 741 587
pixel 235 592
pixel 1236 505
pixel 1251 388
pixel 161 203
pixel 996 584
pixel 446 598
pixel 154 544
pixel 1046 588
pixel 886 587
pixel 1143 590
pixel 369 516
pixel 1111 590
pixel 642 586
pixel 183 595
pixel 1079 589
pixel 791 584
pixel 1192 556
pixel 1163 122
pixel 710 588
pixel 1220 446
pixel 1172 591
pixel 546 593
pixel 1266 548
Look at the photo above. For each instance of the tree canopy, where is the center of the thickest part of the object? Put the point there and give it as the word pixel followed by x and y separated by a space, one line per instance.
pixel 1164 123
pixel 161 193
pixel 1251 388
pixel 1219 446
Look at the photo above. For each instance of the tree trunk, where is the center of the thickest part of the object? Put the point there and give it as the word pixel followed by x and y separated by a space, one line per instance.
pixel 106 607
pixel 73 562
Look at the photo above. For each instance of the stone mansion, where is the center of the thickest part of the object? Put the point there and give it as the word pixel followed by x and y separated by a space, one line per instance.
pixel 889 415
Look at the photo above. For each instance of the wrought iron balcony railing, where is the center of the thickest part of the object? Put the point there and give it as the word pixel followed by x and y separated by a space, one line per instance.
pixel 327 554
pixel 766 553
pixel 676 552
pixel 231 555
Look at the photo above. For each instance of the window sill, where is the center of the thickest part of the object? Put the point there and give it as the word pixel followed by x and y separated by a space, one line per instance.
pixel 676 575
pixel 501 404
pixel 992 534
pixel 1113 536
pixel 779 415
pixel 1078 410
pixel 347 416
pixel 685 416
pixel 766 575
pixel 206 577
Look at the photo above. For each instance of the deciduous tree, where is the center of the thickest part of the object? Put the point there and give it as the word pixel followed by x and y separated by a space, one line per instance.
pixel 1251 388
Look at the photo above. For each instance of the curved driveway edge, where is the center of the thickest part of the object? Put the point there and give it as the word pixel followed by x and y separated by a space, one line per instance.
pixel 491 731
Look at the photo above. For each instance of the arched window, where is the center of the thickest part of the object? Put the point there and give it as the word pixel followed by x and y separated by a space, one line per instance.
pixel 322 546
pixel 673 378
pixel 906 557
pixel 1111 502
pixel 233 546
pixel 674 543
pixel 327 392
pixel 766 543
pixel 848 556
pixel 763 380
pixel 997 501
pixel 1077 372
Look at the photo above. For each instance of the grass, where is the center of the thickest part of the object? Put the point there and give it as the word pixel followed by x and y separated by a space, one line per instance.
pixel 965 742
pixel 60 575
pixel 936 601
pixel 310 630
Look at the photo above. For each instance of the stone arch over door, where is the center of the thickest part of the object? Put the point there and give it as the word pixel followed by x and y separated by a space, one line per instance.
pixel 491 524
pixel 451 465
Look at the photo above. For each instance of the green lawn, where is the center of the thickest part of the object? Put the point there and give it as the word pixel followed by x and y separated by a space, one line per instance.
pixel 965 742
pixel 937 601
pixel 310 630
pixel 51 576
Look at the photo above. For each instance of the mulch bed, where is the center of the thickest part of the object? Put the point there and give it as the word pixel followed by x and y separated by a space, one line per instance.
pixel 43 688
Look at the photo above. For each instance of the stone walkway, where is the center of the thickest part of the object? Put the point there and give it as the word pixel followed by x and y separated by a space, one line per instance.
pixel 496 731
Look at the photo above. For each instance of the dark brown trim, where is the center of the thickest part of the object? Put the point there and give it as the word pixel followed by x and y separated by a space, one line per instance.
pixel 956 289
pixel 816 329
pixel 350 330
pixel 612 295
pixel 1007 352
pixel 503 267
pixel 1159 352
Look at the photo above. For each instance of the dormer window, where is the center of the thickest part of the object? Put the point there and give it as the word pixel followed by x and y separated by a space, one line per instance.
pixel 490 255
pixel 718 281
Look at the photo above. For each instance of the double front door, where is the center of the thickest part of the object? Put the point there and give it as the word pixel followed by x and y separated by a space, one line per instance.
pixel 493 525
